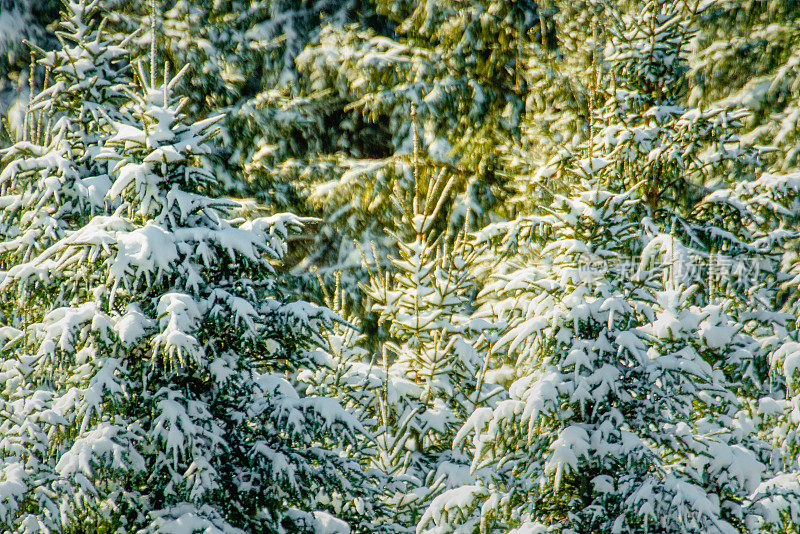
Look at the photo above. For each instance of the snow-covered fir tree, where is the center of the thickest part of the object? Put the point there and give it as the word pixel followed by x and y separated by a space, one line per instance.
pixel 428 370
pixel 618 423
pixel 154 394
pixel 632 407
pixel 684 165
pixel 52 180
pixel 434 359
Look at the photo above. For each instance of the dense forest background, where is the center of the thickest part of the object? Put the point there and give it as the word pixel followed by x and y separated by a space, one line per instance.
pixel 431 266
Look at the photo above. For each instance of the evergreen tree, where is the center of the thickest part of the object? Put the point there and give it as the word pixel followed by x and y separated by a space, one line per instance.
pixel 154 394
pixel 420 383
pixel 632 407
pixel 599 434
pixel 52 178
pixel 434 358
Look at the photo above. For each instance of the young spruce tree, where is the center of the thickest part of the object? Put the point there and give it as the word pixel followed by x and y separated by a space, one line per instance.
pixel 152 394
pixel 428 371
pixel 631 410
